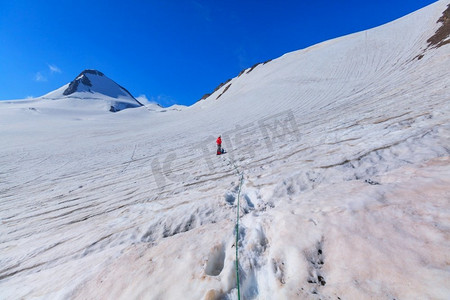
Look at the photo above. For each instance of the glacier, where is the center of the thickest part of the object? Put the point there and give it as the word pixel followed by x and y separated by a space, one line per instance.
pixel 344 153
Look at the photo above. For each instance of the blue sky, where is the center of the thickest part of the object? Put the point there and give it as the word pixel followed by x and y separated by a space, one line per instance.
pixel 172 51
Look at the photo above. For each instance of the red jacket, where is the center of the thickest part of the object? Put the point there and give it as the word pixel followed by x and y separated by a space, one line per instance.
pixel 219 141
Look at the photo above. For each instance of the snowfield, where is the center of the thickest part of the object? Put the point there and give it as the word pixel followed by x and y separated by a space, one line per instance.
pixel 344 153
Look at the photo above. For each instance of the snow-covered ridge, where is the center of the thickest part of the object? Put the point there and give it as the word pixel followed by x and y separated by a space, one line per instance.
pixel 397 42
pixel 343 150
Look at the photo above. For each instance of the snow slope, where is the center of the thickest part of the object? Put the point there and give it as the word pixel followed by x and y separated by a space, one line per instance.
pixel 344 151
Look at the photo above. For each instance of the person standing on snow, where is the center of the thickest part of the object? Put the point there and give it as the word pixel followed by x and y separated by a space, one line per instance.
pixel 219 145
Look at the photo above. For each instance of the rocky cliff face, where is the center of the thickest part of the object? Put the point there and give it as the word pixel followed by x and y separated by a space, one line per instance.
pixel 81 79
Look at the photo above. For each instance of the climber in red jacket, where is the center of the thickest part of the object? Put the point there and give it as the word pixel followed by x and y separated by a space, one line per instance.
pixel 219 145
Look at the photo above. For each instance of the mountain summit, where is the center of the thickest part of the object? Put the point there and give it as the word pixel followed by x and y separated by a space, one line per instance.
pixel 94 85
pixel 94 81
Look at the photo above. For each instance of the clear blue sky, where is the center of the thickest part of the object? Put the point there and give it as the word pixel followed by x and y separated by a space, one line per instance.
pixel 172 51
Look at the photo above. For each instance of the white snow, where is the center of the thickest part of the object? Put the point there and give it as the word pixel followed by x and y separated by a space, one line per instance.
pixel 344 149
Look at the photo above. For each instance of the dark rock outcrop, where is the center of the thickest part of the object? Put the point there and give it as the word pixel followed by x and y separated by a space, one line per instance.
pixel 82 78
pixel 440 36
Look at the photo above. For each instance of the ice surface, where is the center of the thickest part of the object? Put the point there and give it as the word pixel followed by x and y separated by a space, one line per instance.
pixel 345 152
